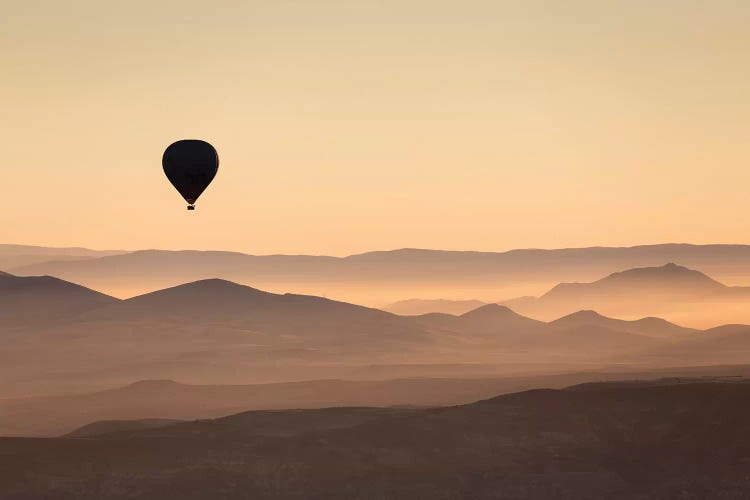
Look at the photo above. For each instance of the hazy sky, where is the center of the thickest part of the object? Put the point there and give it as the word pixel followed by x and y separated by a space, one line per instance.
pixel 346 126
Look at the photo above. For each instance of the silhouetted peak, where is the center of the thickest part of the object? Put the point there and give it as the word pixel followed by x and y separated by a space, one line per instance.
pixel 667 271
pixel 490 310
pixel 653 320
pixel 583 315
pixel 215 283
pixel 200 288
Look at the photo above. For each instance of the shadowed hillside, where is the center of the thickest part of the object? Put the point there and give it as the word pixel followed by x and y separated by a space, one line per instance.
pixel 116 426
pixel 45 298
pixel 164 399
pixel 215 300
pixel 624 440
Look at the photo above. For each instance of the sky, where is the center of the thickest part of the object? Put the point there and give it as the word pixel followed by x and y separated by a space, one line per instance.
pixel 345 126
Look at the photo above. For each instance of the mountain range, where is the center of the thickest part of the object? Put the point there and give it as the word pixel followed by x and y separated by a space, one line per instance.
pixel 24 255
pixel 673 291
pixel 215 331
pixel 391 275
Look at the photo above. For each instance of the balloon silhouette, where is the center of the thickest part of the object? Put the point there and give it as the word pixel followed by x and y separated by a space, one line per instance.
pixel 190 166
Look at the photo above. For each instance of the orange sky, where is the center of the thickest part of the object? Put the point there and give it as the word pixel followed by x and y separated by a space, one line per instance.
pixel 345 126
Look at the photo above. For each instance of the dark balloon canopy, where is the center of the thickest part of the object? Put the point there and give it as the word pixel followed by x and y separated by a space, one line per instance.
pixel 190 166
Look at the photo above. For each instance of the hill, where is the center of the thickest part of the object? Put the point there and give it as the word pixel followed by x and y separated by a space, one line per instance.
pixel 670 280
pixel 254 423
pixel 45 297
pixel 116 426
pixel 295 316
pixel 650 327
pixel 165 399
pixel 498 327
pixel 416 307
pixel 212 330
pixel 728 343
pixel 668 290
pixel 216 331
pixel 623 440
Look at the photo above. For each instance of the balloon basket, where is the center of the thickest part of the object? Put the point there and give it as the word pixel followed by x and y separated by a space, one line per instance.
pixel 191 207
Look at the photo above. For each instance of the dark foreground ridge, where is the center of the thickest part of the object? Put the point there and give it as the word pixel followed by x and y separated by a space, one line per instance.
pixel 671 439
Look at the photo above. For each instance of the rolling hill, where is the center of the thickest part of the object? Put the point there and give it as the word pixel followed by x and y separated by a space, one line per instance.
pixel 670 281
pixel 663 290
pixel 681 294
pixel 498 327
pixel 159 400
pixel 630 440
pixel 416 307
pixel 650 327
pixel 216 331
pixel 216 300
pixel 45 298
pixel 115 426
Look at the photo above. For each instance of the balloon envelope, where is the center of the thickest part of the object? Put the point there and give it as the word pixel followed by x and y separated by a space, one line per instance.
pixel 190 166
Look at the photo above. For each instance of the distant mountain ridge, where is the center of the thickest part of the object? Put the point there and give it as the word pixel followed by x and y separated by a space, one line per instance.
pixel 23 255
pixel 628 292
pixel 635 290
pixel 669 278
pixel 147 270
pixel 223 329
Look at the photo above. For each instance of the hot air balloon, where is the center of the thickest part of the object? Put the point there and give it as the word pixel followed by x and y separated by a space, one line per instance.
pixel 190 166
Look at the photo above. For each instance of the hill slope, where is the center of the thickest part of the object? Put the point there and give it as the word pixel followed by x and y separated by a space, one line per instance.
pixel 498 327
pixel 669 280
pixel 625 441
pixel 45 297
pixel 216 300
pixel 414 307
pixel 650 327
